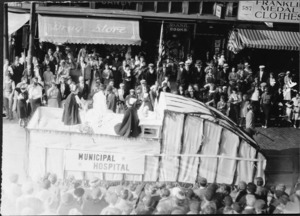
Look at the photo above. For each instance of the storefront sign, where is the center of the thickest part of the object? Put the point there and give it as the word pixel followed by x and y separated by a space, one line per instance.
pixel 87 31
pixel 88 161
pixel 218 11
pixel 178 27
pixel 270 11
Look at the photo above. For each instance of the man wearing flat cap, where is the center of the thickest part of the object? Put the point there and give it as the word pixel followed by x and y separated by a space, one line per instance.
pixel 182 76
pixel 262 74
pixel 151 75
pixel 162 73
pixel 261 191
pixel 198 76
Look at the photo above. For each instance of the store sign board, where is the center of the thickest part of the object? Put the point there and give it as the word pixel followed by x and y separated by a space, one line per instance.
pixel 270 11
pixel 178 27
pixel 218 11
pixel 90 161
pixel 87 31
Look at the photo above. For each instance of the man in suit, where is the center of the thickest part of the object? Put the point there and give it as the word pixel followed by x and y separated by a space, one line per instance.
pixel 262 75
pixel 199 74
pixel 162 73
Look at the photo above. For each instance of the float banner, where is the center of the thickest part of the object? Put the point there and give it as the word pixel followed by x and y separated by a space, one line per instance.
pixel 270 11
pixel 90 161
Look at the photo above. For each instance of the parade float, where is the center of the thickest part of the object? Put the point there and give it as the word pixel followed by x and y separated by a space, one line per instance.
pixel 180 141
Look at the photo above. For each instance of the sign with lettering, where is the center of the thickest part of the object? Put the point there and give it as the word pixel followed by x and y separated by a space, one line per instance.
pixel 218 11
pixel 77 160
pixel 88 31
pixel 178 27
pixel 270 11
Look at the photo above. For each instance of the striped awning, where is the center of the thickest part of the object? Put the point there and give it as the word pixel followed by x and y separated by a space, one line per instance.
pixel 274 40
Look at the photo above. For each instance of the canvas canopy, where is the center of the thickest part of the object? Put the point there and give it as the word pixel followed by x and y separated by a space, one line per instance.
pixel 196 140
pixel 88 31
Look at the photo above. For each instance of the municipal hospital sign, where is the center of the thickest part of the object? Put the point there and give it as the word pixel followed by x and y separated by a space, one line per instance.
pixel 77 160
pixel 270 11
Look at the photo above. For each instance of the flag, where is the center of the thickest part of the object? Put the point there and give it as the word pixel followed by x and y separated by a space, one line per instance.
pixel 234 42
pixel 161 43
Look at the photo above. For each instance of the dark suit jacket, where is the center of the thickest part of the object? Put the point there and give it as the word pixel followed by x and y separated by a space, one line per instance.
pixel 264 77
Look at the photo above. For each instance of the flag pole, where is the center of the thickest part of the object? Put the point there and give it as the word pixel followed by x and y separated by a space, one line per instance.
pixel 160 44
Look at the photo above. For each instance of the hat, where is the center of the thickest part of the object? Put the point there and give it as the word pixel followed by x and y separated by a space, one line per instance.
pixel 202 181
pixel 288 72
pixel 225 65
pixel 198 62
pixel 131 90
pixel 68 48
pixel 143 81
pixel 251 187
pixel 180 195
pixel 278 193
pixel 23 86
pixel 79 192
pixel 261 66
pixel 95 181
pixel 236 207
pixel 187 63
pixel 246 64
pixel 148 201
pixel 181 63
pixel 209 194
pixel 132 101
pixel 281 187
pixel 151 65
pixel 67 199
pixel 109 88
pixel 260 204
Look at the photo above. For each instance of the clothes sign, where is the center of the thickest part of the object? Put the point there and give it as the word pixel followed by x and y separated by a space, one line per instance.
pixel 270 11
pixel 89 161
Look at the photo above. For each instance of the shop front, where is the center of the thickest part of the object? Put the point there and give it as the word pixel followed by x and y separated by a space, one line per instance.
pixel 86 31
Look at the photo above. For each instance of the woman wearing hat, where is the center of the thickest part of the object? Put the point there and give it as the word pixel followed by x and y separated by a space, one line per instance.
pixel 8 92
pixel 111 99
pixel 130 123
pixel 22 105
pixel 53 95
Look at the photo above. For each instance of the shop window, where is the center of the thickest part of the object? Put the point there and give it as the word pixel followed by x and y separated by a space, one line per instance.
pixel 176 7
pixel 208 7
pixel 234 9
pixel 163 7
pixel 148 6
pixel 116 5
pixel 194 7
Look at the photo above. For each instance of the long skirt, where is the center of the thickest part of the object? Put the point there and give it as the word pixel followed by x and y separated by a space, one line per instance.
pixel 267 109
pixel 234 112
pixel 34 104
pixel 22 109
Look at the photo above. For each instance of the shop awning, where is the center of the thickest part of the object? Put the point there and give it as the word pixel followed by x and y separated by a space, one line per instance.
pixel 16 21
pixel 88 31
pixel 263 39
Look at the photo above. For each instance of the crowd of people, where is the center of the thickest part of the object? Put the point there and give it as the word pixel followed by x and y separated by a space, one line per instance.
pixel 50 196
pixel 233 90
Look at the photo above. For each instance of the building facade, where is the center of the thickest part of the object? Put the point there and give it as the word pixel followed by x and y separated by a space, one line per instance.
pixel 200 28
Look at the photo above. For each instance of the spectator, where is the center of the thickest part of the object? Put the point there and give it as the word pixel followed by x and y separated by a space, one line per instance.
pixel 250 202
pixel 67 203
